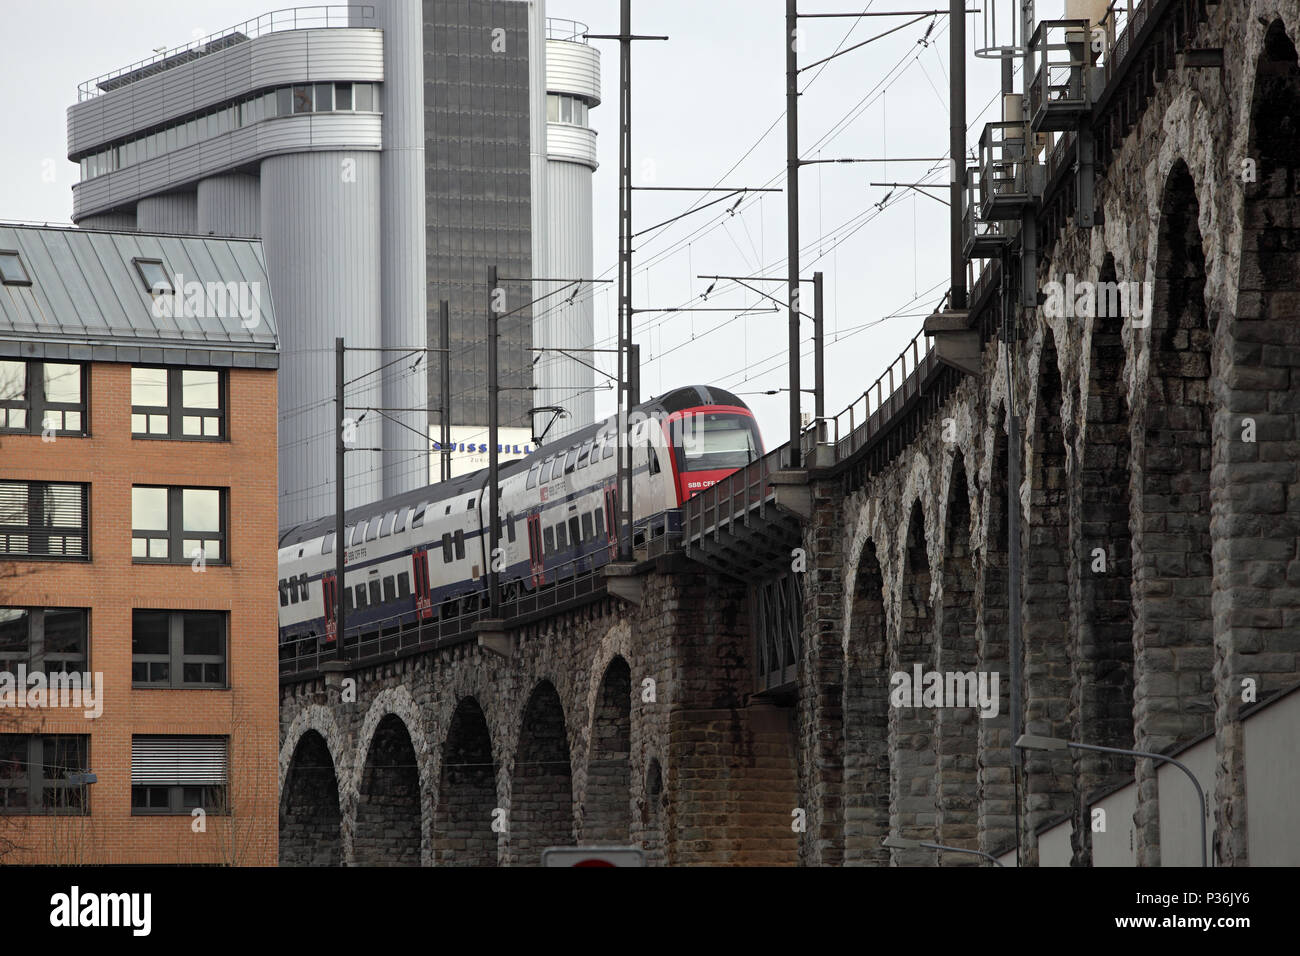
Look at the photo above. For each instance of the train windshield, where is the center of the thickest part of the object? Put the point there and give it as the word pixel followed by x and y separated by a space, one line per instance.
pixel 715 441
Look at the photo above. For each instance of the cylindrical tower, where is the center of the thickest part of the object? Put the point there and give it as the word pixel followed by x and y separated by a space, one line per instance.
pixel 402 272
pixel 171 212
pixel 321 236
pixel 567 321
pixel 230 206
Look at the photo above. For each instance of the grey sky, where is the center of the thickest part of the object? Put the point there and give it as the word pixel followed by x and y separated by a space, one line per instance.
pixel 701 101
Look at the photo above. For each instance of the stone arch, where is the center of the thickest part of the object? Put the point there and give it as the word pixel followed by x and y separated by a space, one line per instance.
pixel 311 820
pixel 606 815
pixel 866 716
pixel 465 812
pixel 996 782
pixel 1049 781
pixel 320 719
pixel 913 812
pixel 1257 505
pixel 1173 638
pixel 958 652
pixel 541 792
pixel 388 824
pixel 1102 569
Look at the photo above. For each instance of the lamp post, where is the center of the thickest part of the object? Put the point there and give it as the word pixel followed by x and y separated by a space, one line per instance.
pixel 1034 742
pixel 902 843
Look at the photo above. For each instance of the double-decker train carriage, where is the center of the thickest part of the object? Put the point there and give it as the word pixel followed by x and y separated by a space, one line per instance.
pixel 424 555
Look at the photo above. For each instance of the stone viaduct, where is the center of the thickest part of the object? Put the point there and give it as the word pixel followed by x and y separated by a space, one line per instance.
pixel 1159 512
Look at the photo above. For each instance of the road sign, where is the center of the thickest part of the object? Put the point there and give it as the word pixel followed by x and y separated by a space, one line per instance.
pixel 593 856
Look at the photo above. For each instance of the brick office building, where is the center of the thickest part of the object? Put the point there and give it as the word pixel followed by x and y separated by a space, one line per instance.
pixel 138 495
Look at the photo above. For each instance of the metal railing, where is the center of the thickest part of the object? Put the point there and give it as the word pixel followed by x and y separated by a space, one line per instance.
pixel 1121 23
pixel 558 28
pixel 402 633
pixel 1062 154
pixel 1003 170
pixel 707 511
pixel 854 427
pixel 1062 50
pixel 290 18
pixel 981 237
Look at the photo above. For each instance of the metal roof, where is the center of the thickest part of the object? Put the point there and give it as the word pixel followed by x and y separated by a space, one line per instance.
pixel 88 301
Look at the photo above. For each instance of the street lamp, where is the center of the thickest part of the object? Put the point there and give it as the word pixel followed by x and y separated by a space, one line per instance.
pixel 1034 742
pixel 902 843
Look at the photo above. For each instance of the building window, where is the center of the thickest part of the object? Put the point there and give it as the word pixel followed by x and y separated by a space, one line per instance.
pixel 178 403
pixel 51 640
pixel 324 97
pixel 12 271
pixel 45 520
pixel 154 276
pixel 177 525
pixel 176 775
pixel 302 99
pixel 35 771
pixel 178 649
pixel 343 96
pixel 42 397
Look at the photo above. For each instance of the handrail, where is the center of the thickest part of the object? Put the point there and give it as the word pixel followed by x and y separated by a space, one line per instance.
pixel 851 430
pixel 1121 22
pixel 289 18
pixel 577 578
pixel 746 486
pixel 560 28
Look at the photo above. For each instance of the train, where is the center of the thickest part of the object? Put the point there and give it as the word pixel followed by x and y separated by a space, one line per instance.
pixel 424 555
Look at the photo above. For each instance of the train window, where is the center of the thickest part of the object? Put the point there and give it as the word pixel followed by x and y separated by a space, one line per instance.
pixel 372 529
pixel 403 586
pixel 561 539
pixel 361 596
pixel 327 547
pixel 510 528
pixel 446 548
pixel 609 447
pixel 600 522
pixel 376 593
pixel 469 505
pixel 548 539
pixel 347 536
pixel 390 589
pixel 575 536
pixel 284 594
pixel 546 469
pixel 358 534
pixel 386 528
pixel 587 532
pixel 303 594
pixel 418 520
pixel 459 540
pixel 400 524
pixel 654 458
pixel 583 452
pixel 571 461
pixel 533 474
